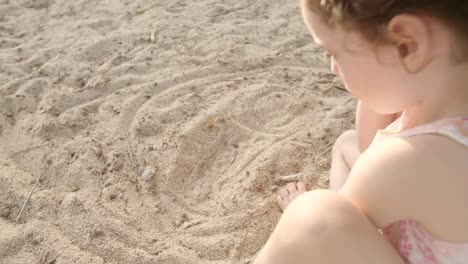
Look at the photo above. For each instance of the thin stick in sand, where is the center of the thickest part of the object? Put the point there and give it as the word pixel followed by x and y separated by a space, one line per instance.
pixel 29 196
pixel 30 148
pixel 241 250
pixel 288 178
pixel 327 148
pixel 134 164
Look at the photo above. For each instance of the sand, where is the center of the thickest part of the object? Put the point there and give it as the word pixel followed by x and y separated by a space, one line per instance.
pixel 157 128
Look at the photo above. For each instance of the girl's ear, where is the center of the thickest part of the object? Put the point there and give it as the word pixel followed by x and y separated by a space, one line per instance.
pixel 411 35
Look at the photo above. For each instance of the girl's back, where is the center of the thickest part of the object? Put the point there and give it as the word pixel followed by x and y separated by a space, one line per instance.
pixel 436 231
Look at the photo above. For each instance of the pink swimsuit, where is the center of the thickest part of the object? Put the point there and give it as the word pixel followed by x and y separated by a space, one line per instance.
pixel 414 243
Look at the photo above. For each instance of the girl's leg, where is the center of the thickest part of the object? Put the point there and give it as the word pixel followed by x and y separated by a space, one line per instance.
pixel 344 154
pixel 323 227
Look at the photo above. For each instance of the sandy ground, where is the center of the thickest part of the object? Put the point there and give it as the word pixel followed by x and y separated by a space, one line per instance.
pixel 156 128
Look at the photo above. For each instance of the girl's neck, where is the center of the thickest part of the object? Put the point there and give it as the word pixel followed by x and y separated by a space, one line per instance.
pixel 449 100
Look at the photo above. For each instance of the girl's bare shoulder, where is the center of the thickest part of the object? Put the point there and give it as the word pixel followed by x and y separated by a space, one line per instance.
pixel 395 178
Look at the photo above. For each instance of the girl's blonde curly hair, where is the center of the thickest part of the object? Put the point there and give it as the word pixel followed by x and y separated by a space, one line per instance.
pixel 370 17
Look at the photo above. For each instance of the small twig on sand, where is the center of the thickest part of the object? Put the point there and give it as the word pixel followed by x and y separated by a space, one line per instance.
pixel 289 178
pixel 75 157
pixel 30 194
pixel 30 148
pixel 339 87
pixel 327 148
pixel 241 251
pixel 132 160
pixel 102 185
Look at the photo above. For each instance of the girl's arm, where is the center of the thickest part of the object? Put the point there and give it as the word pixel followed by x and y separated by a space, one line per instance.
pixel 368 122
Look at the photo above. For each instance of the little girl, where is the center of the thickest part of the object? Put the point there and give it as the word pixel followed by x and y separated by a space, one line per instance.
pixel 402 199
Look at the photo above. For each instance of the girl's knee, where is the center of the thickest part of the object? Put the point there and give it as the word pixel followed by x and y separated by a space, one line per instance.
pixel 346 148
pixel 321 213
pixel 346 138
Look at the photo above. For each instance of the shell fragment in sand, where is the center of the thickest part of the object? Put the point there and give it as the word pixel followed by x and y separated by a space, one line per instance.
pixel 147 173
pixel 153 37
